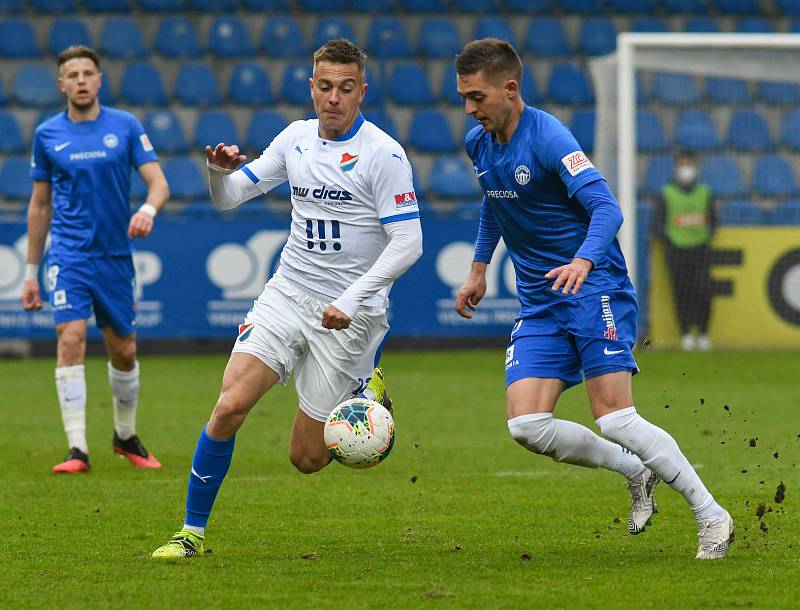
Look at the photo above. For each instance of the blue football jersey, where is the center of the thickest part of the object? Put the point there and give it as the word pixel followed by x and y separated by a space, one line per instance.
pixel 529 186
pixel 89 167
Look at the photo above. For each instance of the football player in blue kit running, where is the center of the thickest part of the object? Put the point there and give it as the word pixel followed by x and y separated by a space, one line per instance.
pixel 81 167
pixel 578 311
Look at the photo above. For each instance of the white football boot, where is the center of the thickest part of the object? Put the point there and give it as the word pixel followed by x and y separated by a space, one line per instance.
pixel 715 536
pixel 642 503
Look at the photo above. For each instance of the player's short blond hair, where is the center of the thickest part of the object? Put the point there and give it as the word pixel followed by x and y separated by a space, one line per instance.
pixel 77 51
pixel 492 56
pixel 341 51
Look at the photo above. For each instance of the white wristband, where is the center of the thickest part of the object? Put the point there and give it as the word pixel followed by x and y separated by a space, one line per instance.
pixel 149 209
pixel 32 271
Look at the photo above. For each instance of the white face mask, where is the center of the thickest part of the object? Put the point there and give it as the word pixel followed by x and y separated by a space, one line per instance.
pixel 686 174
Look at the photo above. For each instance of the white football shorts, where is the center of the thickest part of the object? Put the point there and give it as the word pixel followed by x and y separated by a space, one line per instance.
pixel 284 330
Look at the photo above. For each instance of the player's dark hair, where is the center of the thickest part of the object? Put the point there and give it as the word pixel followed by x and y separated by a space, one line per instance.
pixel 492 56
pixel 76 51
pixel 341 51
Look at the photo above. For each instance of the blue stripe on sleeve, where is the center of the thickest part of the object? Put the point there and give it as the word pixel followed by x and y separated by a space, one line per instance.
pixel 250 174
pixel 409 216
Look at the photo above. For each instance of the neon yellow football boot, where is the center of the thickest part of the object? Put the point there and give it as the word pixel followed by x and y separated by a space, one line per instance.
pixel 183 544
pixel 377 385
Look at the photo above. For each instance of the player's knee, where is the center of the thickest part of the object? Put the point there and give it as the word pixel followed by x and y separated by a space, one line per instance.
pixel 308 464
pixel 229 413
pixel 533 431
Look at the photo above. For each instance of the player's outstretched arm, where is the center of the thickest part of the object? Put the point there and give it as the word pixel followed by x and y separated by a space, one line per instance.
pixel 39 212
pixel 225 157
pixel 472 290
pixel 142 221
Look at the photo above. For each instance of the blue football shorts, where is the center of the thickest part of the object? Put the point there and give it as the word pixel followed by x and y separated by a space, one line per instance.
pixel 575 339
pixel 103 286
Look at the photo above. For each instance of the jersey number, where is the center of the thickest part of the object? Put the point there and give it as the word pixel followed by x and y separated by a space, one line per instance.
pixel 322 232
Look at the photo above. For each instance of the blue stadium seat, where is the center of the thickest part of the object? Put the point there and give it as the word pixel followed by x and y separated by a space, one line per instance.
pixel 106 93
pixel 264 126
pixel 323 6
pixel 384 120
pixel 34 85
pixel 779 92
pixel 294 87
pixel 184 178
pixel 108 6
pixel 737 7
pixel 228 37
pixel 10 7
pixel 176 38
pixel 678 89
pixel 423 6
pixel 452 178
pixel 3 96
pixel 281 37
pixel 387 38
pixel 569 84
pixel 376 95
pixel 754 25
pixel 748 130
pixel 380 7
pixel 727 90
pixel 786 213
pixel 582 7
pixel 142 85
pixel 196 85
pixel 695 7
pixel 494 27
pixel 469 123
pixel 597 36
pixel 632 6
pixel 430 132
pixel 659 171
pixel 165 131
pixel 415 89
pixel 332 28
pixel 15 181
pixel 649 24
pixel 773 177
pixel 438 38
pixel 213 6
pixel 447 87
pixel 546 37
pixel 66 32
pixel 17 39
pixel 162 6
pixel 477 6
pixel 723 177
pixel 790 130
pixel 213 127
pixel 249 84
pixel 529 88
pixel 694 130
pixel 48 113
pixel 649 131
pixel 529 6
pixel 741 212
pixel 701 25
pixel 121 38
pixel 52 7
pixel 12 141
pixel 582 127
pixel 267 7
pixel 787 7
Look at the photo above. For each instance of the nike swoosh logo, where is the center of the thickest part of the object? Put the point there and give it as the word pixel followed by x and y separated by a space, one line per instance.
pixel 60 147
pixel 203 479
pixel 609 352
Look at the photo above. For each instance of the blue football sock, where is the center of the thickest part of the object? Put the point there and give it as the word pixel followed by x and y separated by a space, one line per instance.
pixel 212 458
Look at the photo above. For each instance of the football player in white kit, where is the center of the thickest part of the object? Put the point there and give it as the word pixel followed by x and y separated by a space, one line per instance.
pixel 355 229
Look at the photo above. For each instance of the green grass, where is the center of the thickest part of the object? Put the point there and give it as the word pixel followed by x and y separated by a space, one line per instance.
pixel 458 517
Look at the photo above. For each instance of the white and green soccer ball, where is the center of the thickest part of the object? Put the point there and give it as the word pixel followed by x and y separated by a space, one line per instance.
pixel 359 433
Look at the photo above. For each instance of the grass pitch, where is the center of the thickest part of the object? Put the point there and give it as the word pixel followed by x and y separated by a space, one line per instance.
pixel 458 517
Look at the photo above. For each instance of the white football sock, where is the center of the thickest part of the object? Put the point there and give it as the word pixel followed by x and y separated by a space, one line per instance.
pixel 200 531
pixel 125 389
pixel 566 441
pixel 661 454
pixel 71 388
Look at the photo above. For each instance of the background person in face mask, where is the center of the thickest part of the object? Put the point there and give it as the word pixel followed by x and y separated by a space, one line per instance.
pixel 686 220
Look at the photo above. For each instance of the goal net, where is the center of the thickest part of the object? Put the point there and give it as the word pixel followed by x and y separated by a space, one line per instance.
pixel 715 258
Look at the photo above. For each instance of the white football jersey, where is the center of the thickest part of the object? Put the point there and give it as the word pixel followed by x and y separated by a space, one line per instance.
pixel 342 192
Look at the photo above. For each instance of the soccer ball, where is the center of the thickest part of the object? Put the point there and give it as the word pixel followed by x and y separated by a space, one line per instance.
pixel 359 433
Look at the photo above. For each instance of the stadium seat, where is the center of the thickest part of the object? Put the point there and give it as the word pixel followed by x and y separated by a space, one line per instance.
pixel 737 7
pixel 10 7
pixel 632 6
pixel 388 39
pixel 597 36
pixel 469 123
pixel 416 89
pixel 53 7
pixel 380 7
pixel 659 171
pixel 281 37
pixel 17 39
pixel 452 178
pixel 695 7
pixel 267 7
pixel 786 213
pixel 438 38
pixel 3 96
pixel 108 6
pixel 15 181
pixel 165 131
pixel 34 85
pixel 66 32
pixel 213 6
pixel 184 178
pixel 106 93
pixel 228 37
pixel 723 177
pixel 447 88
pixel 142 85
pixel 423 6
pixel 748 130
pixel 790 130
pixel 323 6
pixel 48 113
pixel 121 38
pixel 162 6
pixel 569 84
pixel 727 90
pixel 787 7
pixel 678 89
pixel 12 141
pixel 582 7
pixel 773 177
pixel 213 127
pixel 701 25
pixel 529 6
pixel 582 127
pixel 477 6
pixel 779 92
pixel 694 130
pixel 249 84
pixel 332 28
pixel 649 24
pixel 264 126
pixel 494 27
pixel 375 92
pixel 649 132
pixel 196 85
pixel 384 120
pixel 176 38
pixel 294 87
pixel 741 212
pixel 545 36
pixel 529 88
pixel 430 132
pixel 754 25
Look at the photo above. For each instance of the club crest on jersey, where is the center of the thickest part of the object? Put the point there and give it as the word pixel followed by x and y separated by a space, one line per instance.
pixel 522 175
pixel 348 162
pixel 110 140
pixel 244 330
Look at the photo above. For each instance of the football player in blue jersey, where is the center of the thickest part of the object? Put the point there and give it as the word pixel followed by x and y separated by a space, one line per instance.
pixel 81 167
pixel 578 311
